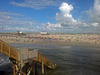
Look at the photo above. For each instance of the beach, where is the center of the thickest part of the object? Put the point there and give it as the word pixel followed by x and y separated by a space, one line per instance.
pixel 85 40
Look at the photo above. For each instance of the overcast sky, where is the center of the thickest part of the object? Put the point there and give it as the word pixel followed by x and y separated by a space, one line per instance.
pixel 65 16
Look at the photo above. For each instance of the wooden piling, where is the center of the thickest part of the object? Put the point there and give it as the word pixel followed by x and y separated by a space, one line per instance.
pixel 13 66
pixel 42 66
pixel 1 47
pixel 36 72
pixel 33 67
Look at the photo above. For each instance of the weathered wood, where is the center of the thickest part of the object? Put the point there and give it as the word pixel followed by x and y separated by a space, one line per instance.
pixel 33 68
pixel 27 54
pixel 1 47
pixel 20 57
pixel 13 66
pixel 8 50
pixel 36 72
pixel 47 62
pixel 42 66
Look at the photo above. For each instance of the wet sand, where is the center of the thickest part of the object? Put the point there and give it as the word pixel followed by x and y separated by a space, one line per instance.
pixel 50 42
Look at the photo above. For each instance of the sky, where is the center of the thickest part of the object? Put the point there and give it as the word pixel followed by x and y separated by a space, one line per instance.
pixel 58 16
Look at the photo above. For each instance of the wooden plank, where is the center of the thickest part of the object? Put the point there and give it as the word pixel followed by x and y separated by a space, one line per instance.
pixel 47 62
pixel 1 47
pixel 8 50
pixel 27 54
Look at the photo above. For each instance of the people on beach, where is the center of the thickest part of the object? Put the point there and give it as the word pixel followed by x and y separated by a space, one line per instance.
pixel 66 38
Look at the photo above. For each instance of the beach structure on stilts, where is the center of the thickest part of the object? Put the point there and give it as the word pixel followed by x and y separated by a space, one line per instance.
pixel 24 61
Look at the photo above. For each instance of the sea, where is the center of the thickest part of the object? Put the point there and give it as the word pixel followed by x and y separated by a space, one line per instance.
pixel 70 60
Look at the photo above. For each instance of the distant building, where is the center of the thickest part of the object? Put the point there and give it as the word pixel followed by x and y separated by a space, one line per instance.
pixel 43 33
pixel 20 33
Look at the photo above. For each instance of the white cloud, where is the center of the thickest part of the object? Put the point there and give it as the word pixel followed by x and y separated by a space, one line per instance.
pixel 66 22
pixel 65 9
pixel 49 25
pixel 37 4
pixel 26 29
pixel 64 19
pixel 65 16
pixel 13 22
pixel 95 24
pixel 94 13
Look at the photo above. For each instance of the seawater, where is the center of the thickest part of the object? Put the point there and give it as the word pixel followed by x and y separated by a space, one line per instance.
pixel 70 60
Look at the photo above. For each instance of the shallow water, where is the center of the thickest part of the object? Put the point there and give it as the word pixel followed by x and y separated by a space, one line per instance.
pixel 70 60
pixel 74 61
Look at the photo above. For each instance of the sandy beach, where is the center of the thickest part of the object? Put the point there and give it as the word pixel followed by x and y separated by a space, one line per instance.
pixel 92 40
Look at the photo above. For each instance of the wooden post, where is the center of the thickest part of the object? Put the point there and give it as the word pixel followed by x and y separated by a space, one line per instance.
pixel 9 51
pixel 1 47
pixel 13 69
pixel 33 67
pixel 42 66
pixel 36 72
pixel 20 69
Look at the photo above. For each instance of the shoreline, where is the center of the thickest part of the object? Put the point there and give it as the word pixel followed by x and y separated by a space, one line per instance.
pixel 76 44
pixel 81 40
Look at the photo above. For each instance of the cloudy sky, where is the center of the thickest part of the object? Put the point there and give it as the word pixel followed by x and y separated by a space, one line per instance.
pixel 65 16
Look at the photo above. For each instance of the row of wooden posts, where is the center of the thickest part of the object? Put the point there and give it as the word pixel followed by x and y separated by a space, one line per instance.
pixel 30 68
